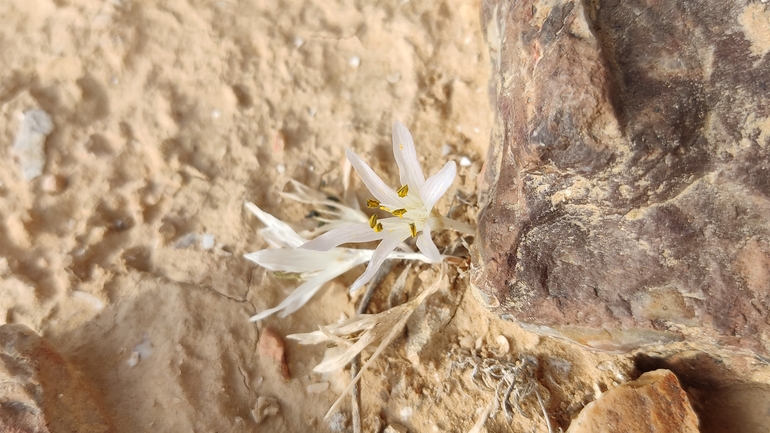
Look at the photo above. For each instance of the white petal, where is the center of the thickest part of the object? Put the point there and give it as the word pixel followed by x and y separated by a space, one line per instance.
pixel 301 294
pixel 297 260
pixel 406 157
pixel 437 185
pixel 388 244
pixel 426 245
pixel 304 292
pixel 280 231
pixel 343 235
pixel 373 183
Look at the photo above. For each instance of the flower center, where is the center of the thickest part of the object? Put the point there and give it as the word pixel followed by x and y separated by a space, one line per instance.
pixel 410 209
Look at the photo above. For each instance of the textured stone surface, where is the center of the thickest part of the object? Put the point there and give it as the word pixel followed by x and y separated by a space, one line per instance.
pixel 628 182
pixel 40 391
pixel 654 403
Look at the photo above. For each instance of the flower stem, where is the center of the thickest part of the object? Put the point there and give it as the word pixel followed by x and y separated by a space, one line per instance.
pixel 457 225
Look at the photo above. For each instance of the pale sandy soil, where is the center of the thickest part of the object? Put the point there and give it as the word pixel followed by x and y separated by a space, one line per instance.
pixel 167 117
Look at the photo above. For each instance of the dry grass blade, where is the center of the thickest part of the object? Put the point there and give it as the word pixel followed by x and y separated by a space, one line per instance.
pixel 383 328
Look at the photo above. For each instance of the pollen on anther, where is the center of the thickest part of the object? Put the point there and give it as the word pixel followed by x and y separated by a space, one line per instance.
pixel 372 203
pixel 373 221
pixel 399 212
pixel 403 191
pixel 413 229
pixel 378 227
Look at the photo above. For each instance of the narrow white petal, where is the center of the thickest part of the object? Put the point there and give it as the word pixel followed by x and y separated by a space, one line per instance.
pixel 343 235
pixel 297 259
pixel 426 245
pixel 437 185
pixel 373 183
pixel 406 157
pixel 384 249
pixel 305 291
pixel 278 228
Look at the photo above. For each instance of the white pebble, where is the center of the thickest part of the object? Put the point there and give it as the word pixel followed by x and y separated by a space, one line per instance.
pixel 29 145
pixel 216 114
pixel 406 413
pixel 95 302
pixel 503 344
pixel 207 241
pixel 445 149
pixel 133 361
pixel 465 162
pixel 317 388
pixel 354 61
pixel 298 41
pixel 280 168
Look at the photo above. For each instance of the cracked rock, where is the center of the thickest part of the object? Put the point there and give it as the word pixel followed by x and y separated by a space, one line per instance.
pixel 628 181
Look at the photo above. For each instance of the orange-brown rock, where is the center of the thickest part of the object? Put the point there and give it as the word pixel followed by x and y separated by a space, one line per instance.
pixel 654 403
pixel 40 391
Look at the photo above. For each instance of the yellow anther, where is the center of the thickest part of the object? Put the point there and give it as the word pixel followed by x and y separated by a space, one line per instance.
pixel 384 208
pixel 403 191
pixel 399 213
pixel 372 203
pixel 413 229
pixel 373 221
pixel 378 227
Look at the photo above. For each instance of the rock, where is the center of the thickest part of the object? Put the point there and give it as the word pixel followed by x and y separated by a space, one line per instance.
pixel 628 182
pixel 29 144
pixel 41 391
pixel 271 346
pixel 654 403
pixel 265 407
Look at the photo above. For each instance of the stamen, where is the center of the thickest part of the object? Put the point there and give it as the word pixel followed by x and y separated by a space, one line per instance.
pixel 373 221
pixel 378 227
pixel 384 208
pixel 413 229
pixel 372 203
pixel 399 212
pixel 403 191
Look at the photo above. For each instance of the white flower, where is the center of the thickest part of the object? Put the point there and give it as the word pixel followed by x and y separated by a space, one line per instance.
pixel 315 267
pixel 411 206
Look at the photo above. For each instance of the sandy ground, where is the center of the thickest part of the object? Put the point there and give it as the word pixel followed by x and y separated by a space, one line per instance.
pixel 167 117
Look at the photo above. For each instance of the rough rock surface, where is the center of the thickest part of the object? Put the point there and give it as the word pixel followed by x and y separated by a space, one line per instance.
pixel 653 403
pixel 628 183
pixel 40 391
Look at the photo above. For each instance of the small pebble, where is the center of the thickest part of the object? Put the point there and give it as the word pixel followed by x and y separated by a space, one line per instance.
pixel 271 346
pixel 298 41
pixel 465 162
pixel 207 241
pixel 317 388
pixel 354 61
pixel 30 140
pixel 133 361
pixel 280 168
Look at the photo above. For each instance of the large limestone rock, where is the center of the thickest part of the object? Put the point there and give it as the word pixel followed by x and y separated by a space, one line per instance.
pixel 628 183
pixel 40 392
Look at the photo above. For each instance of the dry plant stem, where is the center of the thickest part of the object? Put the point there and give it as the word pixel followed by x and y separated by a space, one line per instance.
pixel 356 363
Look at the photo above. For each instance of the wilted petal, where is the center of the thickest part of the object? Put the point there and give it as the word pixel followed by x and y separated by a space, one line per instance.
pixel 280 233
pixel 373 183
pixel 409 169
pixel 343 235
pixel 426 245
pixel 388 244
pixel 437 185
